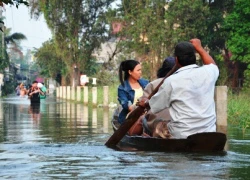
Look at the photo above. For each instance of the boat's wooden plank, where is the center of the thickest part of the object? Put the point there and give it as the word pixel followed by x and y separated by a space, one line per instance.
pixel 212 141
pixel 202 142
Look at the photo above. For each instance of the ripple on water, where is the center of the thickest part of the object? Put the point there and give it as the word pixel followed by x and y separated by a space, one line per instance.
pixel 65 146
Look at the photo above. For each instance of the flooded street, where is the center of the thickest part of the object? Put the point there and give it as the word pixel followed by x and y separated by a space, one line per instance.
pixel 66 141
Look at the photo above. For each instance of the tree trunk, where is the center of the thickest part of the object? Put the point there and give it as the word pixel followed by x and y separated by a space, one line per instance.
pixel 232 69
pixel 63 81
pixel 75 76
pixel 235 78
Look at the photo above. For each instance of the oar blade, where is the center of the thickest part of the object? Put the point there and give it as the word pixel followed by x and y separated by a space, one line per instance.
pixel 123 129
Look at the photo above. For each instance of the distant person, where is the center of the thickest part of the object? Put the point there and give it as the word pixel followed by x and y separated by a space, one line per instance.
pixel 23 90
pixel 43 89
pixel 34 93
pixel 18 90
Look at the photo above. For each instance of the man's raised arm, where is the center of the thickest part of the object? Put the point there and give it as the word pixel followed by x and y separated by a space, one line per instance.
pixel 206 58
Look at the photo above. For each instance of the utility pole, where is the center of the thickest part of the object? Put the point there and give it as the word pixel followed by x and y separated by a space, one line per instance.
pixel 2 49
pixel 1 83
pixel 2 27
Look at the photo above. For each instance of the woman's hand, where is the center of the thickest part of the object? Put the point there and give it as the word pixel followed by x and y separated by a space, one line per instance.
pixel 131 108
pixel 143 102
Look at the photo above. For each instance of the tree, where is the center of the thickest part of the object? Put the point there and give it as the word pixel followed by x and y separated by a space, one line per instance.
pixel 9 40
pixel 13 2
pixel 49 61
pixel 187 19
pixel 152 28
pixel 143 32
pixel 200 19
pixel 238 41
pixel 79 27
pixel 12 40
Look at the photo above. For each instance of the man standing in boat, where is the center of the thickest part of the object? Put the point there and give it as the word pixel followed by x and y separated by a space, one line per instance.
pixel 188 93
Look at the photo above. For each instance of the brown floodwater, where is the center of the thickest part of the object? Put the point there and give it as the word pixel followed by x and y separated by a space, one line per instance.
pixel 63 140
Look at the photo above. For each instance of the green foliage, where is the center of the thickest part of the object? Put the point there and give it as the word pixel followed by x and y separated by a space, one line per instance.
pixel 187 19
pixel 150 30
pixel 247 78
pixel 215 35
pixel 91 67
pixel 153 28
pixel 237 26
pixel 14 2
pixel 239 41
pixel 49 61
pixel 238 110
pixel 14 38
pixel 143 31
pixel 112 96
pixel 4 60
pixel 79 27
pixel 8 87
pixel 223 75
pixel 106 78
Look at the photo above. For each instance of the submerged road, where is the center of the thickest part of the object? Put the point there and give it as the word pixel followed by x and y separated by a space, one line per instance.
pixel 66 141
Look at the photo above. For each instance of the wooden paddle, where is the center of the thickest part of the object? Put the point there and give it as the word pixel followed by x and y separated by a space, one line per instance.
pixel 133 117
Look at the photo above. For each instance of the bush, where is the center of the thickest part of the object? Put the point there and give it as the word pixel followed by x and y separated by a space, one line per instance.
pixel 238 109
pixel 106 78
pixel 8 88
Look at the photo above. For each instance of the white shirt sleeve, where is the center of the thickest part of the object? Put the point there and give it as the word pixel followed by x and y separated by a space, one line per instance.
pixel 161 100
pixel 213 70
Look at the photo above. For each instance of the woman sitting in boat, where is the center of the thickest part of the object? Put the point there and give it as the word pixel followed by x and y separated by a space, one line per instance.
pixel 131 87
pixel 153 124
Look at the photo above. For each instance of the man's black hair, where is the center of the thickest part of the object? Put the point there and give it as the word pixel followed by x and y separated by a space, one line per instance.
pixel 185 53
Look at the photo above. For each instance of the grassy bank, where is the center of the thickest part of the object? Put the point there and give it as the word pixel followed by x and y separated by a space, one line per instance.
pixel 238 105
pixel 112 94
pixel 239 110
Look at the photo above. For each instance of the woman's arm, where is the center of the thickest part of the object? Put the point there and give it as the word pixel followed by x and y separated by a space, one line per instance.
pixel 124 99
pixel 29 92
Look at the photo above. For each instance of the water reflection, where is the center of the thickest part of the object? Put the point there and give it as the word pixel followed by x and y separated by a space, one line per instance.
pixel 67 142
pixel 106 121
pixel 85 114
pixel 94 118
pixel 34 110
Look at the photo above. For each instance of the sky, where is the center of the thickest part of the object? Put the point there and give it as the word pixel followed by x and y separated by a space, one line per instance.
pixel 36 31
pixel 20 21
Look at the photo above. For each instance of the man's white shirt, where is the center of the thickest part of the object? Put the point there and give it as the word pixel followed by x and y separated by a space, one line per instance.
pixel 189 95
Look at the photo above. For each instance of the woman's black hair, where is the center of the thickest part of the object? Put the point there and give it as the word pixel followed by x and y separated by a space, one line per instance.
pixel 167 65
pixel 126 66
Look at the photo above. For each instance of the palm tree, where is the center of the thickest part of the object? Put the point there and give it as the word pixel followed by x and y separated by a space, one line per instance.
pixel 13 41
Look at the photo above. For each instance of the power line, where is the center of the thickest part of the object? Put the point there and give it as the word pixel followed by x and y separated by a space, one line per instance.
pixel 12 19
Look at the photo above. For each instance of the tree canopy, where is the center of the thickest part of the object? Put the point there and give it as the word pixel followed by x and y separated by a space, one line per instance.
pixel 237 26
pixel 78 28
pixel 14 2
pixel 149 30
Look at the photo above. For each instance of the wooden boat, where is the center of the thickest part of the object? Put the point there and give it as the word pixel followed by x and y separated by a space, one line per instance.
pixel 200 142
